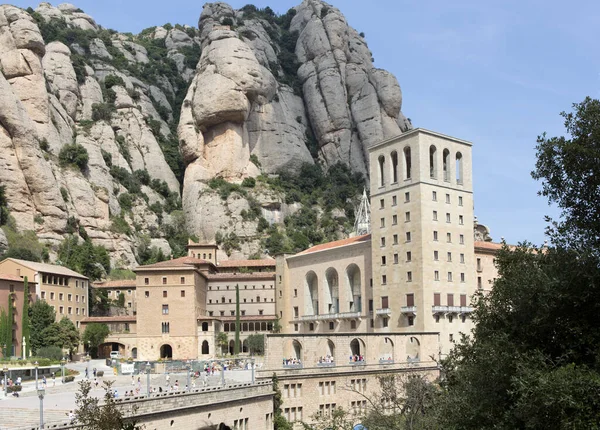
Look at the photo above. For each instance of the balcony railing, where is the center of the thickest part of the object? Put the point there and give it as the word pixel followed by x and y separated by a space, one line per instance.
pixel 383 311
pixel 409 310
pixel 451 309
pixel 293 366
pixel 357 363
pixel 334 316
pixel 386 361
pixel 331 364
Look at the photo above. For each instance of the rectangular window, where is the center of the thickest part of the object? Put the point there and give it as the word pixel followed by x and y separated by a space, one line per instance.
pixel 165 327
pixel 381 203
pixel 395 258
pixel 408 256
pixel 383 260
pixel 435 215
pixel 182 280
pixel 146 294
pixel 164 281
pixel 434 196
pixel 460 201
pixel 51 295
pixel 408 236
pixel 382 222
pixel 435 255
pixel 462 258
pixel 385 302
pixel 394 219
pixel 461 220
pixel 383 241
pixel 436 275
pixel 448 198
pixel 461 239
pixel 165 309
pixel 384 323
pixel 479 283
pixel 295 327
pixel 295 311
pixel 479 268
pixel 435 235
pixel 295 293
pixel 409 276
pixel 449 276
pixel 70 297
pixel 383 279
pixel 447 217
pixel 165 293
pixel 394 201
pixel 410 299
pixel 449 257
pixel 436 299
pixel 43 295
pixel 406 197
pixel 463 300
pixel 182 293
pixel 462 277
pixel 407 216
pixel 449 237
pixel 61 309
pixel 61 296
pixel 395 239
pixel 76 311
pixel 70 310
pixel 450 299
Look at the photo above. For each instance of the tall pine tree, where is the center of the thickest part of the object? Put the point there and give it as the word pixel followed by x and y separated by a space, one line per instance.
pixel 9 326
pixel 25 316
pixel 236 347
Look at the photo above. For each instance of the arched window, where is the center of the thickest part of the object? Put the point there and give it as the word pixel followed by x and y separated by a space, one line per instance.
pixel 446 164
pixel 251 326
pixel 459 168
pixel 312 294
pixel 226 327
pixel 245 345
pixel 432 162
pixel 394 157
pixel 381 170
pixel 407 163
pixel 332 291
pixel 244 326
pixel 353 289
pixel 204 326
pixel 205 348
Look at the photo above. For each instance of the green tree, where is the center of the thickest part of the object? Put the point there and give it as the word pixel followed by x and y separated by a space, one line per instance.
pixel 99 302
pixel 4 332
pixel 339 419
pixel 222 340
pixel 94 336
pixel 63 334
pixel 279 421
pixel 9 326
pixel 569 172
pixel 25 316
pixel 121 300
pixel 73 154
pixel 42 316
pixel 256 344
pixel 4 213
pixel 93 413
pixel 236 346
pixel 84 257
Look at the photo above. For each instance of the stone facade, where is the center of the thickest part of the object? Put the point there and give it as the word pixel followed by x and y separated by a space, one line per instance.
pixel 63 289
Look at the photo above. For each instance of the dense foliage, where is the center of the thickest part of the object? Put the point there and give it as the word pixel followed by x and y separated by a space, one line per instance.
pixel 84 257
pixel 73 154
pixel 94 336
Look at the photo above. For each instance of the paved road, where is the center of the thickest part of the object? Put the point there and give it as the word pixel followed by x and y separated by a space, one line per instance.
pixel 22 412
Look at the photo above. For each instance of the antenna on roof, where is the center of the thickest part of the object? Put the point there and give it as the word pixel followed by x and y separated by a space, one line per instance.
pixel 362 224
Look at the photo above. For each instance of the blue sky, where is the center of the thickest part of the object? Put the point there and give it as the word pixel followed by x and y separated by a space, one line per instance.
pixel 497 73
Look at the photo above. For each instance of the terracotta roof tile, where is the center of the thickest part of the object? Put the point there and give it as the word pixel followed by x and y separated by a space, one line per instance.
pixel 240 276
pixel 9 277
pixel 247 263
pixel 114 284
pixel 337 243
pixel 48 268
pixel 119 318
pixel 182 261
pixel 488 246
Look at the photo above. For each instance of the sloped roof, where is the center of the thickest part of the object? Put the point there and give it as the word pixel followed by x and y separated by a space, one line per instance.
pixel 240 276
pixel 119 318
pixel 337 243
pixel 9 277
pixel 177 262
pixel 115 284
pixel 48 268
pixel 247 263
pixel 491 246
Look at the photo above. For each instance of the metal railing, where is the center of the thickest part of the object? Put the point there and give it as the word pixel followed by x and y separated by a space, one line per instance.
pixel 383 311
pixel 408 309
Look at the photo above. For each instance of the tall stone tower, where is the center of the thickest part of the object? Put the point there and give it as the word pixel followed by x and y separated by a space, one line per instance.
pixel 422 234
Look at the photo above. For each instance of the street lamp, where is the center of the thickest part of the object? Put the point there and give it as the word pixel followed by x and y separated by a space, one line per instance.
pixel 41 393
pixel 36 375
pixel 188 367
pixel 5 370
pixel 63 361
pixel 148 368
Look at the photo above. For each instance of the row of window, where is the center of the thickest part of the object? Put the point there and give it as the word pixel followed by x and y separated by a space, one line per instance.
pixel 245 300
pixel 58 280
pixel 245 287
pixel 164 280
pixel 410 300
pixel 292 391
pixel 117 292
pixel 61 297
pixel 461 220
pixel 407 199
pixel 436 277
pixel 232 313
pixel 408 236
pixel 165 293
pixel 61 310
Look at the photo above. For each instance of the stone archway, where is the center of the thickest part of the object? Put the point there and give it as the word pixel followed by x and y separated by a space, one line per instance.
pixel 166 351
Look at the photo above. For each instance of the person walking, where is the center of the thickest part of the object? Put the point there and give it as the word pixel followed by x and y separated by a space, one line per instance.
pixel 44 381
pixel 94 371
pixel 53 379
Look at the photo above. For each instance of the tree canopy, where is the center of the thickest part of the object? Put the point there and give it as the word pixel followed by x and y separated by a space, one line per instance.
pixel 94 335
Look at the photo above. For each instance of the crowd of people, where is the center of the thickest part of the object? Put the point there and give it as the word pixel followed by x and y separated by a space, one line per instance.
pixel 356 358
pixel 326 359
pixel 292 361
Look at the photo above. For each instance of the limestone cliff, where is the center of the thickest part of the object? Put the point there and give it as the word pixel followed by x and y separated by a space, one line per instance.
pixel 161 113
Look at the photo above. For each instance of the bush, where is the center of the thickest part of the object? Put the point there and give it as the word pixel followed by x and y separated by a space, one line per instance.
pixel 126 202
pixel 120 226
pixel 102 111
pixel 143 176
pixel 44 146
pixel 71 378
pixel 107 157
pixel 100 373
pixel 73 154
pixel 14 388
pixel 50 352
pixel 249 182
pixel 227 21
pixel 64 193
pixel 112 80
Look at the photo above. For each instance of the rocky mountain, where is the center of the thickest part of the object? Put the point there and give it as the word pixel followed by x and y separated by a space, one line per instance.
pixel 130 139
